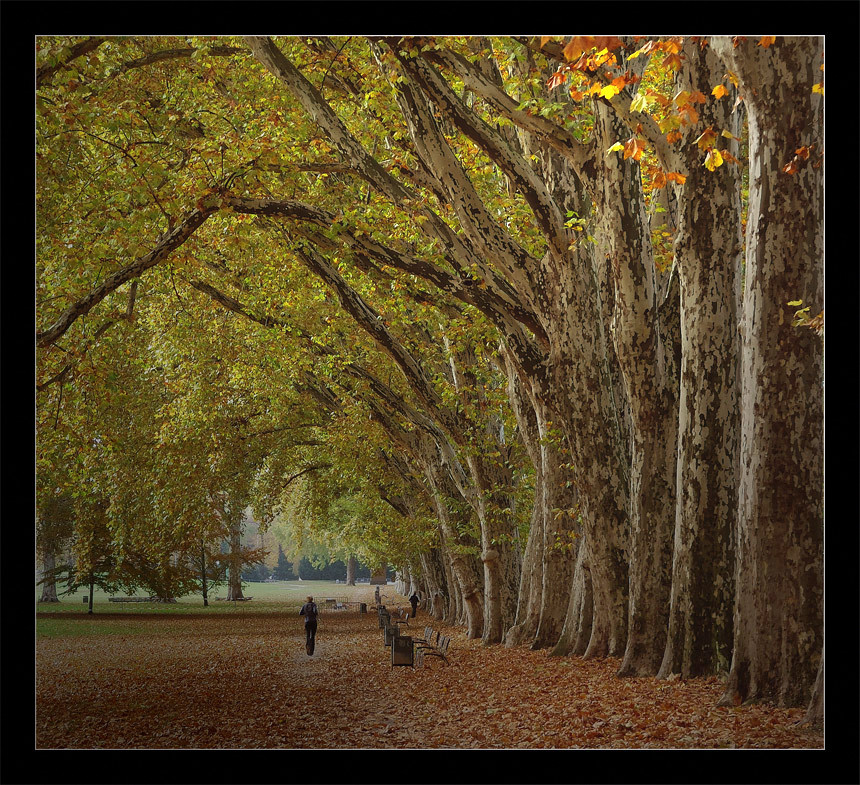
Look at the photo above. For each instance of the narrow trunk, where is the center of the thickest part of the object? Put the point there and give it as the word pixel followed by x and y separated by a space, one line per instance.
pixel 350 570
pixel 778 638
pixel 92 590
pixel 203 576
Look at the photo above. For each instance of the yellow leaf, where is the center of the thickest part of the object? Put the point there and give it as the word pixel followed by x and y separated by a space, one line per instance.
pixel 818 88
pixel 681 97
pixel 639 103
pixel 615 148
pixel 728 134
pixel 795 302
pixel 609 91
pixel 713 159
pixel 720 91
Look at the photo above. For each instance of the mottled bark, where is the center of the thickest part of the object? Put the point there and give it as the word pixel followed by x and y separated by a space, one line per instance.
pixel 560 508
pixel 641 354
pixel 49 587
pixel 433 574
pixel 531 574
pixel 234 559
pixel 464 564
pixel 351 565
pixel 778 636
pixel 708 253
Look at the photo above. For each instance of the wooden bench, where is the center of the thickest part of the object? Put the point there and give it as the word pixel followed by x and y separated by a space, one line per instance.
pixel 437 648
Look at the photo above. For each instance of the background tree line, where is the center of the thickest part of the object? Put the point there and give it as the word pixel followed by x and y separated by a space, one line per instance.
pixel 539 320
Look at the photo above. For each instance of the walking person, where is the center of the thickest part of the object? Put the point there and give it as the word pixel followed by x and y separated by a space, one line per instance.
pixel 310 612
pixel 413 600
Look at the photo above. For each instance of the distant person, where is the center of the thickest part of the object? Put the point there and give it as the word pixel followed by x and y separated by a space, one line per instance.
pixel 310 612
pixel 413 601
pixel 376 596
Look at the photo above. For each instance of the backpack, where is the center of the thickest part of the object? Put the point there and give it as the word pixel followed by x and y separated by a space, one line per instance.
pixel 311 612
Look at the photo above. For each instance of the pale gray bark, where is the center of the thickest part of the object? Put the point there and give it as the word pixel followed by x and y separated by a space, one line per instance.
pixel 778 636
pixel 642 357
pixel 49 587
pixel 708 252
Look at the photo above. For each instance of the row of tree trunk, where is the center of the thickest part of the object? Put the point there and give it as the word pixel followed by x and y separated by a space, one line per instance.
pixel 689 469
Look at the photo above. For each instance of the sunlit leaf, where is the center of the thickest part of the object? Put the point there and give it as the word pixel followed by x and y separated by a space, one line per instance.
pixel 713 159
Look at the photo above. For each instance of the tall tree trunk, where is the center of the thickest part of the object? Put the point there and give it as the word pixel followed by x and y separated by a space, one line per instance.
pixel 434 582
pixel 463 563
pixel 49 587
pixel 643 360
pixel 708 253
pixel 531 575
pixel 350 570
pixel 234 577
pixel 778 636
pixel 92 587
pixel 560 513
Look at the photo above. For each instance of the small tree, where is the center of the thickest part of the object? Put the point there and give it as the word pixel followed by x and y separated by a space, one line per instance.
pixel 284 569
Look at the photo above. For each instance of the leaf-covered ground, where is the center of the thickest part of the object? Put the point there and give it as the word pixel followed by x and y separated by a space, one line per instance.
pixel 243 680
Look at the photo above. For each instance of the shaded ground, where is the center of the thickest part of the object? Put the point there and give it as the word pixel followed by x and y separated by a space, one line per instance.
pixel 244 681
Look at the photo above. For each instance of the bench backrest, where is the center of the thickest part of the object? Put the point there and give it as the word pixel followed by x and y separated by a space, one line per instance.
pixel 443 643
pixel 428 633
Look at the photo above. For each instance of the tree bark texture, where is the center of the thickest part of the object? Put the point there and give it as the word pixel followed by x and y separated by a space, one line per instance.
pixel 49 587
pixel 619 204
pixel 708 254
pixel 778 620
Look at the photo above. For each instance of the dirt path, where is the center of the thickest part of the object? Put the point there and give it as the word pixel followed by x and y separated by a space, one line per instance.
pixel 244 681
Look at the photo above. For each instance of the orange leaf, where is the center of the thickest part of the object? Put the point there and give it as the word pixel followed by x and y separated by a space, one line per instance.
pixel 609 42
pixel 634 148
pixel 673 136
pixel 688 114
pixel 576 46
pixel 555 80
pixel 672 62
pixel 766 40
pixel 676 177
pixel 720 91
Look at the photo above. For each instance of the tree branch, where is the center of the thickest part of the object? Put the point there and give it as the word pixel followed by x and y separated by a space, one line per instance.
pixel 167 244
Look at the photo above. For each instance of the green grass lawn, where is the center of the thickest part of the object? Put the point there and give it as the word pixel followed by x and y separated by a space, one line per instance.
pixel 266 598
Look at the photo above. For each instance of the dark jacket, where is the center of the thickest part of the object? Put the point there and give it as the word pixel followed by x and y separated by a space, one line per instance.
pixel 414 599
pixel 309 611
